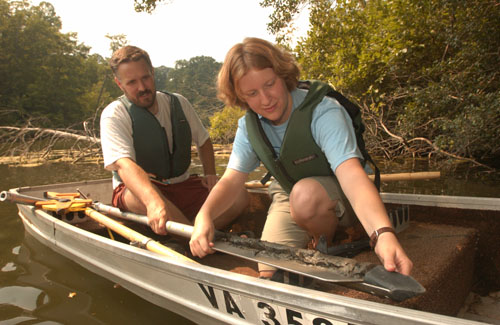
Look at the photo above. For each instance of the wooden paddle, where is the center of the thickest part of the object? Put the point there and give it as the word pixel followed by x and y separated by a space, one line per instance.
pixel 83 205
pixel 383 178
pixel 133 235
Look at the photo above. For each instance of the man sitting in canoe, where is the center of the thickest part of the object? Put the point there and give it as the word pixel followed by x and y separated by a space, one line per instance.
pixel 262 78
pixel 146 138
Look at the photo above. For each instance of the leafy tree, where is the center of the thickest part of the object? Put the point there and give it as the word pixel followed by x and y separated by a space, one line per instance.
pixel 48 74
pixel 224 124
pixel 116 41
pixel 146 5
pixel 283 16
pixel 161 75
pixel 99 93
pixel 195 79
pixel 425 71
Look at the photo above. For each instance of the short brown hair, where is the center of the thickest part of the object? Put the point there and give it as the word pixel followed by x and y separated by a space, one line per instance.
pixel 253 53
pixel 126 54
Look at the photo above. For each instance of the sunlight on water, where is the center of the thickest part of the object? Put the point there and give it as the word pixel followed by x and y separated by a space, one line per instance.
pixel 26 298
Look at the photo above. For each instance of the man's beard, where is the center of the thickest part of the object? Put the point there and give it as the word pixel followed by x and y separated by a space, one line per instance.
pixel 143 102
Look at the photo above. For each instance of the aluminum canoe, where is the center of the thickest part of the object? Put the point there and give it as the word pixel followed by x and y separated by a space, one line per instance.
pixel 206 294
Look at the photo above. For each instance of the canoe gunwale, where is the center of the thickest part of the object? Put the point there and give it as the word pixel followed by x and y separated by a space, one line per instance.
pixel 446 201
pixel 443 201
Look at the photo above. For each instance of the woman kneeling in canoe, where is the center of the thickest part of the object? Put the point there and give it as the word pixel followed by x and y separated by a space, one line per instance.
pixel 263 78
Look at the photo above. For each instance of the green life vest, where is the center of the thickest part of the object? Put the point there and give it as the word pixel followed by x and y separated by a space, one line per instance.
pixel 300 156
pixel 151 142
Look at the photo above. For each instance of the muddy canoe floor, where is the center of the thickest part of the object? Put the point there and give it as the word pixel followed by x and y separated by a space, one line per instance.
pixel 482 309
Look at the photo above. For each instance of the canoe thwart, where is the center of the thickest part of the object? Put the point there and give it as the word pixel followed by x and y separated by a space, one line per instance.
pixel 383 178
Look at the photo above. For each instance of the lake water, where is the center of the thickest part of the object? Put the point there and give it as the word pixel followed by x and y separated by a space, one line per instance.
pixel 39 286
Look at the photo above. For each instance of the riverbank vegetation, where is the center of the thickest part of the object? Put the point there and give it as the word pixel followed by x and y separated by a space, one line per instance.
pixel 425 73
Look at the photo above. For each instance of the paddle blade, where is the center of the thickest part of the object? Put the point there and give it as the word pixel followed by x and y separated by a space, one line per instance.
pixel 400 287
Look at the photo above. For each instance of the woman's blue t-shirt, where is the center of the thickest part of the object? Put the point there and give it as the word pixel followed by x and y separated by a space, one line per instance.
pixel 331 128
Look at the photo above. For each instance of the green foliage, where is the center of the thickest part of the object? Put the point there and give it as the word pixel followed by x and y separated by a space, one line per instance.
pixel 45 74
pixel 51 80
pixel 426 69
pixel 116 41
pixel 161 75
pixel 282 18
pixel 145 5
pixel 195 79
pixel 224 124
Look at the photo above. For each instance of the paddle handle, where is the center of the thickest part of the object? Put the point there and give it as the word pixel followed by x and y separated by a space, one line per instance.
pixel 173 227
pixel 133 235
pixel 179 229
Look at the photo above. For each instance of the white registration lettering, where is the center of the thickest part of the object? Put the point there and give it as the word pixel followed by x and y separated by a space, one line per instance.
pixel 260 312
pixel 273 314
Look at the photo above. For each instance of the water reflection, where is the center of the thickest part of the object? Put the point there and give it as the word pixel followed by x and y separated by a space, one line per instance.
pixel 40 296
pixel 51 289
pixel 26 298
pixel 459 180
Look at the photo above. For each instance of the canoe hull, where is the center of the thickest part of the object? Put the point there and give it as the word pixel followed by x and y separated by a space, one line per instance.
pixel 204 294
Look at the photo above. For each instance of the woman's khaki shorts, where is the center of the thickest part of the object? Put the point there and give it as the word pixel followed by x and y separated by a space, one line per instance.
pixel 280 227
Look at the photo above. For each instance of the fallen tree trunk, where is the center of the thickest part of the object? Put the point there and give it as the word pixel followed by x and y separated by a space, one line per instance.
pixel 56 133
pixel 35 145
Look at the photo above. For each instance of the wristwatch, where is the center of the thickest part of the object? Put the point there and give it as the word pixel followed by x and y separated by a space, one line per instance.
pixel 376 233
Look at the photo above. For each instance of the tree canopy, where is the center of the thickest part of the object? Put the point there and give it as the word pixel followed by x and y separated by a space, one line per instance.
pixel 195 79
pixel 46 74
pixel 426 73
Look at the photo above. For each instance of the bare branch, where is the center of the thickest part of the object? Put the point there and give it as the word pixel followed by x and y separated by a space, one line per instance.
pixel 41 131
pixel 37 145
pixel 449 154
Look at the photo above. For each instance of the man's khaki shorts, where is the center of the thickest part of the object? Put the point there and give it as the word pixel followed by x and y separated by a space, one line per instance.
pixel 280 227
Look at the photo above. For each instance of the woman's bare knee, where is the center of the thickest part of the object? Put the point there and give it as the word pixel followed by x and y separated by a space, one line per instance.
pixel 308 198
pixel 312 208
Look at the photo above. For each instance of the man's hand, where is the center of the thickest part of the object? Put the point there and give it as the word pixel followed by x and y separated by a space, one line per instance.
pixel 143 197
pixel 209 181
pixel 157 219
